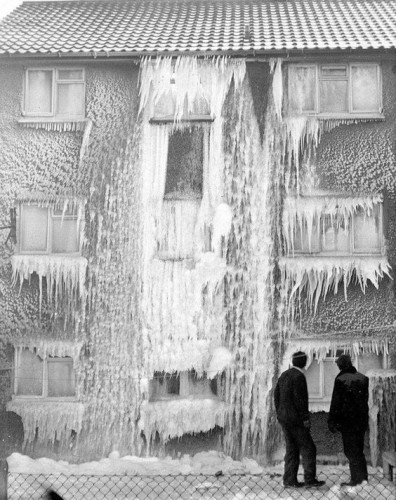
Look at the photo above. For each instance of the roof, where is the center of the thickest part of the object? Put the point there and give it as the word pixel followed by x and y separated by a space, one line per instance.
pixel 197 26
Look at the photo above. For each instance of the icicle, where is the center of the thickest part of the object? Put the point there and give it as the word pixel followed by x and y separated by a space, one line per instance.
pixel 382 411
pixel 318 275
pixel 55 420
pixel 277 85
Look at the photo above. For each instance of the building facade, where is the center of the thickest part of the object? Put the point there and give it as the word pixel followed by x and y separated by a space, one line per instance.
pixel 190 192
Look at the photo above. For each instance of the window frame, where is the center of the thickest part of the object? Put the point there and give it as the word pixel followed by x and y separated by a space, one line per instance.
pixel 351 236
pixel 54 94
pixel 44 384
pixel 350 113
pixel 50 217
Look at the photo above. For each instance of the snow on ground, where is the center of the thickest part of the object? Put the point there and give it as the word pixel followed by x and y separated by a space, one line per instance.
pixel 204 476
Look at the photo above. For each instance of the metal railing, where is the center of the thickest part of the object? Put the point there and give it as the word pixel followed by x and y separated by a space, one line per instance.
pixel 190 487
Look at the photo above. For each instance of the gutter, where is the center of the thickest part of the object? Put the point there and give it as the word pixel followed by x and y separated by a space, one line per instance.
pixel 249 55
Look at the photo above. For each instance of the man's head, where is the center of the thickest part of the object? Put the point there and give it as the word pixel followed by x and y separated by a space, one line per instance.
pixel 299 359
pixel 344 361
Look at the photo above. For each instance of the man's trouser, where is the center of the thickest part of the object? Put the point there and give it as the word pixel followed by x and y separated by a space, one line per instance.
pixel 353 442
pixel 299 442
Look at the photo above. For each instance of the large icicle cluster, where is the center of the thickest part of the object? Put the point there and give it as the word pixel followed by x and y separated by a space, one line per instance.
pixel 319 275
pixel 173 418
pixel 382 411
pixel 55 420
pixel 183 268
pixel 65 275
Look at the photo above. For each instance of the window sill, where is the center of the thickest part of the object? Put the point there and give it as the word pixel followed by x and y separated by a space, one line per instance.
pixel 190 118
pixel 343 116
pixel 44 400
pixel 51 123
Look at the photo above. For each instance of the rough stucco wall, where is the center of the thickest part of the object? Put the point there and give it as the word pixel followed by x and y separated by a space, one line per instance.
pixel 360 158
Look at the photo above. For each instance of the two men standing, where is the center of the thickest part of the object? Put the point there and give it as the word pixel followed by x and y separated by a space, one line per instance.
pixel 348 414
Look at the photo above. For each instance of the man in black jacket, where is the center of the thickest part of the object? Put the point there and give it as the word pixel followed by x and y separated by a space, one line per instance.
pixel 349 414
pixel 291 403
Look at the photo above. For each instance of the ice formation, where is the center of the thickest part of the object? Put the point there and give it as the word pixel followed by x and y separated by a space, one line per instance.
pixel 173 418
pixel 65 275
pixel 55 420
pixel 382 411
pixel 319 275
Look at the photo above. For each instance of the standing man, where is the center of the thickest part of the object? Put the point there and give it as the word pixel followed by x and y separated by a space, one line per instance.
pixel 291 403
pixel 349 414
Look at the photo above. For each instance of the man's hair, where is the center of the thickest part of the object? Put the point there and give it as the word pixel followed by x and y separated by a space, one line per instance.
pixel 344 361
pixel 299 359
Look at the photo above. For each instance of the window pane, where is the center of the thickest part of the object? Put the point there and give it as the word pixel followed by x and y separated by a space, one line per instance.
pixel 335 236
pixel 39 91
pixel 313 379
pixel 29 374
pixel 184 175
pixel 369 361
pixel 60 377
pixel 70 74
pixel 64 235
pixel 166 106
pixel 333 96
pixel 164 385
pixel 34 228
pixel 333 71
pixel 302 88
pixel 70 99
pixel 365 89
pixel 366 231
pixel 330 370
pixel 302 238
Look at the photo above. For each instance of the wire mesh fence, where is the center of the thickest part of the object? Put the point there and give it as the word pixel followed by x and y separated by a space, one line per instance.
pixel 190 487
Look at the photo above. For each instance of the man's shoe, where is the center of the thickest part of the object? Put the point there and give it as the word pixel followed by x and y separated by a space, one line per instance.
pixel 297 484
pixel 353 483
pixel 314 484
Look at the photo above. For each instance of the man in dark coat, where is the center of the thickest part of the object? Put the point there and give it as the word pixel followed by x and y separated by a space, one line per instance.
pixel 349 415
pixel 291 403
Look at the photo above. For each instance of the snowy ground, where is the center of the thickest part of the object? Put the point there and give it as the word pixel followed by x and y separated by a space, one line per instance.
pixel 187 478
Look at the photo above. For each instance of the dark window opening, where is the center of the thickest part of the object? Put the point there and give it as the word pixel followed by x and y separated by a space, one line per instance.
pixel 184 177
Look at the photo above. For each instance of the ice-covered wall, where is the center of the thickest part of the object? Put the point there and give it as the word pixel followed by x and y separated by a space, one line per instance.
pixel 170 281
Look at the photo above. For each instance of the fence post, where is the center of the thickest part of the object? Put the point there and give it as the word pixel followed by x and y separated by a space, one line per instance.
pixel 3 478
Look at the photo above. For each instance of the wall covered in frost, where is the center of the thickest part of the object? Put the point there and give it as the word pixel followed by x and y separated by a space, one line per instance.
pixel 175 274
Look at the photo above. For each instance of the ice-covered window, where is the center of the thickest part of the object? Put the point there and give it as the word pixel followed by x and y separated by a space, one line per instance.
pixel 335 89
pixel 181 385
pixel 43 376
pixel 57 93
pixel 335 234
pixel 47 230
pixel 184 175
pixel 320 375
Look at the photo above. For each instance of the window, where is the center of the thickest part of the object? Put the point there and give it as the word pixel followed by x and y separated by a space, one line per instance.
pixel 330 234
pixel 335 89
pixel 57 93
pixel 43 377
pixel 181 385
pixel 320 375
pixel 184 175
pixel 48 230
